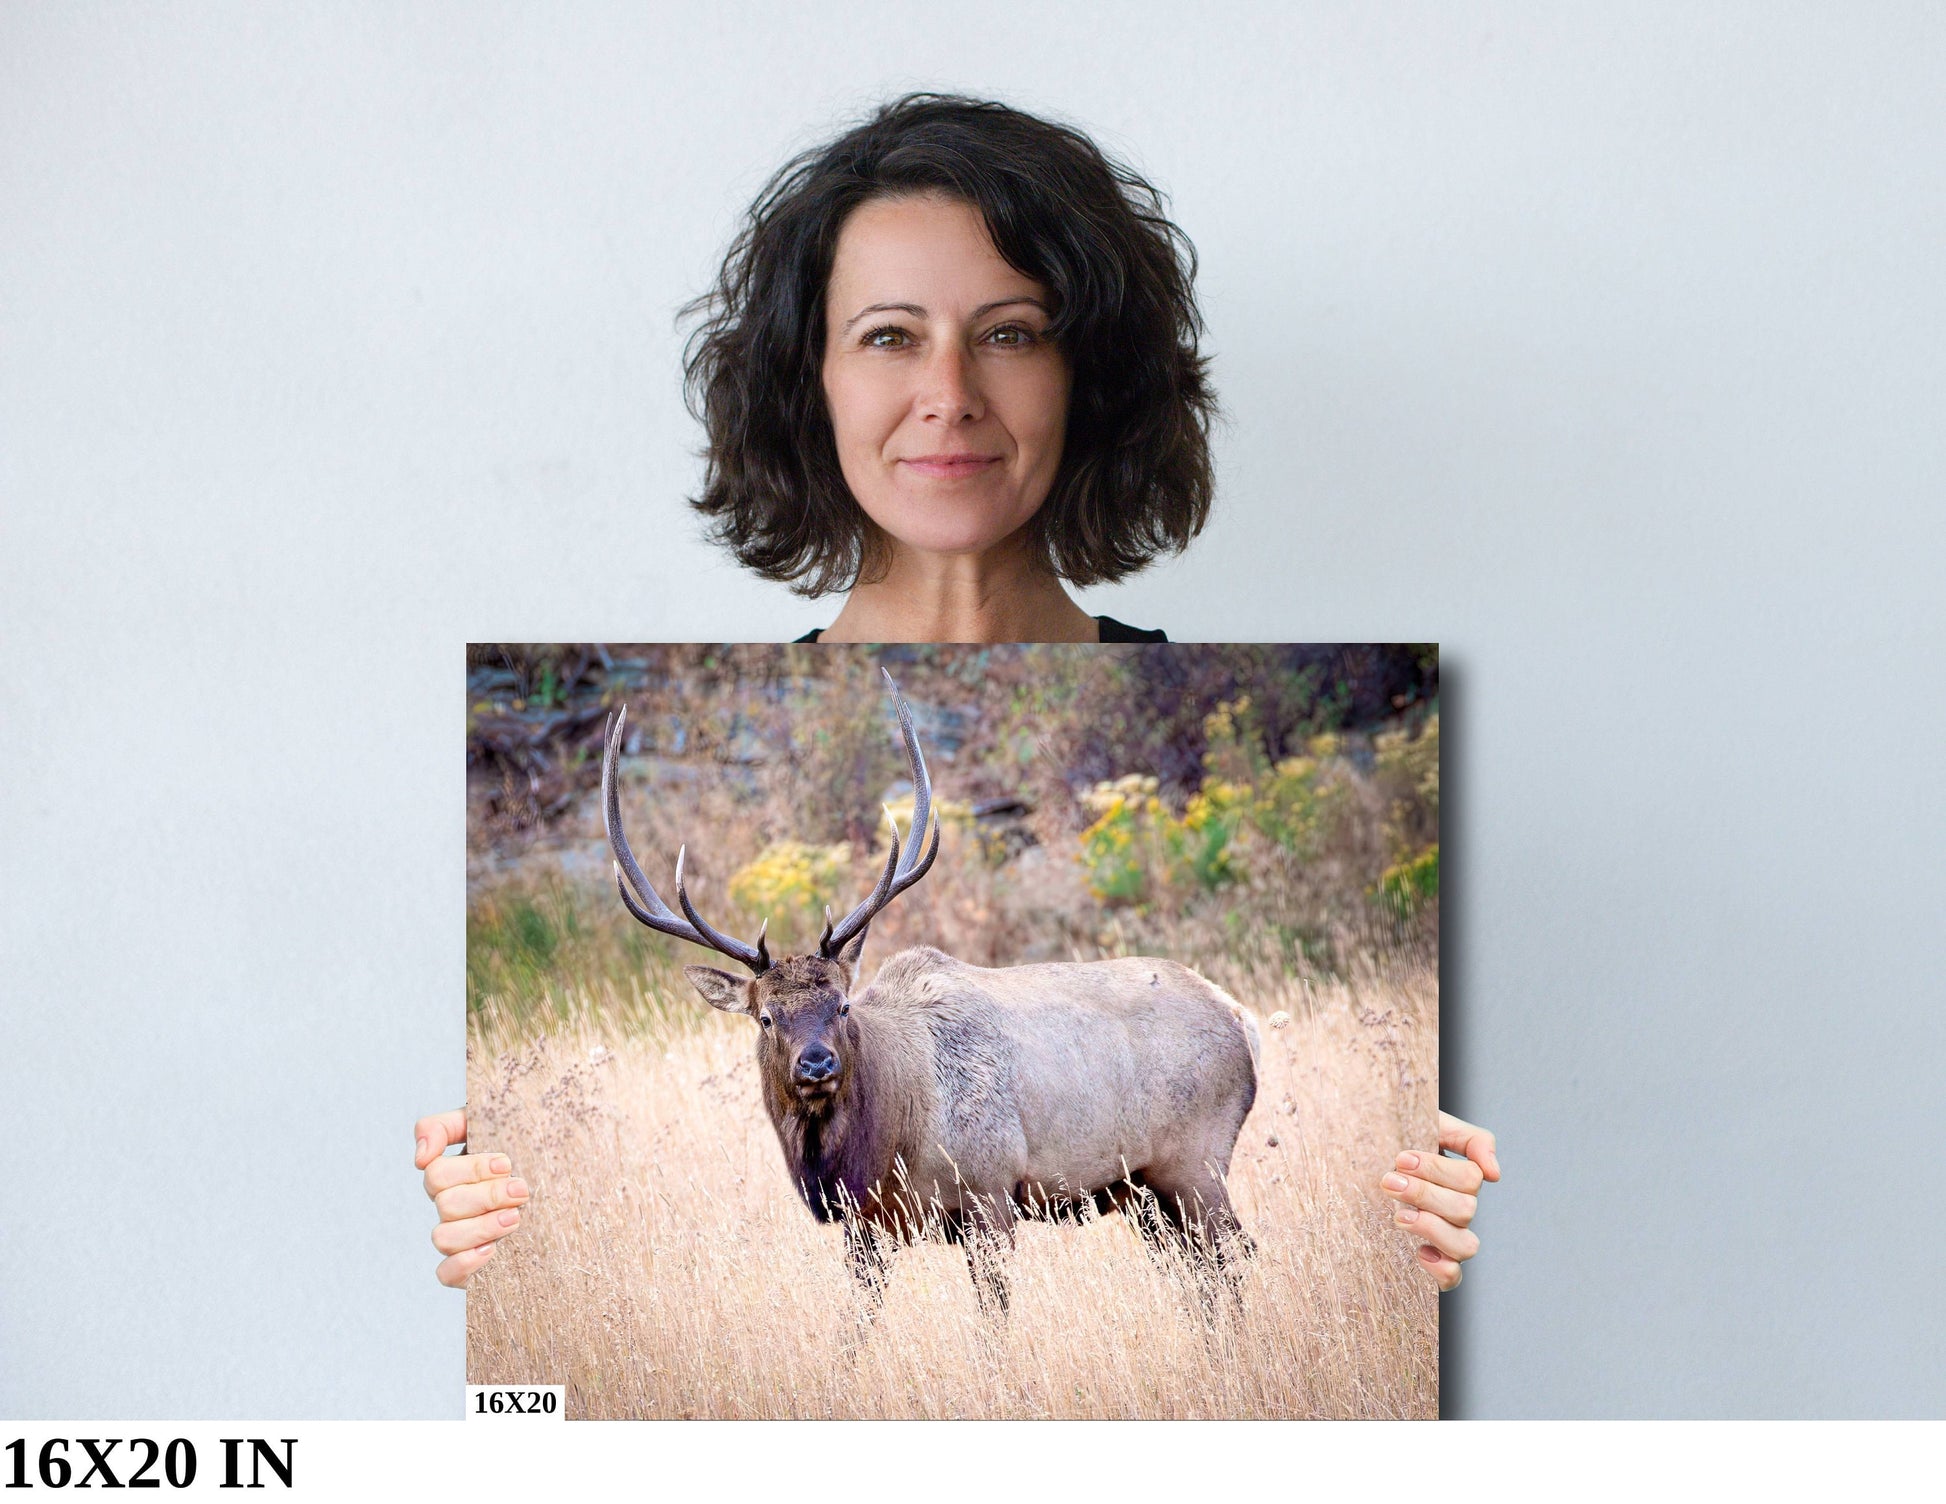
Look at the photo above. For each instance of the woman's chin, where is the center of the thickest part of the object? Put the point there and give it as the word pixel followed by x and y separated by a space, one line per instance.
pixel 938 531
pixel 951 545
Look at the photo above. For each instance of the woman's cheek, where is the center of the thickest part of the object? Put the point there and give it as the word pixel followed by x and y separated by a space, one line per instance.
pixel 864 420
pixel 1045 420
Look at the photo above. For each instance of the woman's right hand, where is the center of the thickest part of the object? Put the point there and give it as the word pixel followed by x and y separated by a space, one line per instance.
pixel 477 1195
pixel 1438 1196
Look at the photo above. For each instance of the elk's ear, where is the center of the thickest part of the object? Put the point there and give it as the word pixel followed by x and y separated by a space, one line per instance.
pixel 848 958
pixel 719 988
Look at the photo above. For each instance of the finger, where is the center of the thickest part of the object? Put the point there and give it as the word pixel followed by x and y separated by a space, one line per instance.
pixel 450 1170
pixel 476 1197
pixel 458 1269
pixel 1455 1174
pixel 1428 1227
pixel 1452 1206
pixel 1472 1141
pixel 471 1232
pixel 436 1133
pixel 1445 1271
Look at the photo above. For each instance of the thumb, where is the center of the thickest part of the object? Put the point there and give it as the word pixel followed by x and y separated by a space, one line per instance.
pixel 1474 1142
pixel 436 1133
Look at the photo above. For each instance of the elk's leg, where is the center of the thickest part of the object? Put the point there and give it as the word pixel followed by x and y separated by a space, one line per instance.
pixel 1191 1214
pixel 987 1235
pixel 1196 1209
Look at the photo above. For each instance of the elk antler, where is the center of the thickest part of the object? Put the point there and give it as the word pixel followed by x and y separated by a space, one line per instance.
pixel 652 911
pixel 902 869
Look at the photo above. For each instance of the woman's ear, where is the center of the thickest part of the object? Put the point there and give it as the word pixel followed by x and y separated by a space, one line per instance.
pixel 720 989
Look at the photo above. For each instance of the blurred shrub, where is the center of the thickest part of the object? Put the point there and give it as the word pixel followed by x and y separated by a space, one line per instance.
pixel 791 878
pixel 1200 843
pixel 1137 843
pixel 1117 848
pixel 1403 887
pixel 1406 770
pixel 1315 815
pixel 954 816
pixel 1300 801
pixel 950 811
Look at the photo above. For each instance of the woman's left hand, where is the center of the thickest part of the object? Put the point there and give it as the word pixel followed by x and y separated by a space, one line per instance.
pixel 1438 1195
pixel 478 1196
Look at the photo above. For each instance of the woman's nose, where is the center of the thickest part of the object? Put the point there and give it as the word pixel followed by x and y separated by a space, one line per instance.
pixel 951 388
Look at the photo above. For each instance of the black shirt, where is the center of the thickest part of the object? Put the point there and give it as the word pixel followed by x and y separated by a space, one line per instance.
pixel 1111 631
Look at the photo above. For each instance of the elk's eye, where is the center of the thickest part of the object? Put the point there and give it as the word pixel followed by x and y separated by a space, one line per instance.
pixel 764 1019
pixel 844 1007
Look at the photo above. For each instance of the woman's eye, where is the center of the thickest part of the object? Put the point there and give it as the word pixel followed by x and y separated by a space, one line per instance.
pixel 886 337
pixel 1012 336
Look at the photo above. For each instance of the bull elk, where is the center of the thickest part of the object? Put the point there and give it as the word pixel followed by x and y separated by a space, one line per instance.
pixel 948 1100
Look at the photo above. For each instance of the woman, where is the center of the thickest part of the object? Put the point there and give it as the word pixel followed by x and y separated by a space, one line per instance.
pixel 949 368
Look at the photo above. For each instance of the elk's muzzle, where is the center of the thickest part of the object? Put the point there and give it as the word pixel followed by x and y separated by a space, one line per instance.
pixel 817 1067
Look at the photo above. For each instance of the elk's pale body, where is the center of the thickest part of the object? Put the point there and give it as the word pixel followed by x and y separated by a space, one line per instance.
pixel 1039 1084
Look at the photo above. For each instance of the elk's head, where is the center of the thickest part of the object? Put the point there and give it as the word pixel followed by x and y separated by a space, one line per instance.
pixel 801 1003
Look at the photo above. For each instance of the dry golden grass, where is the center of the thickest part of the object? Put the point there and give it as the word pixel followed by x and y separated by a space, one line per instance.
pixel 666 1268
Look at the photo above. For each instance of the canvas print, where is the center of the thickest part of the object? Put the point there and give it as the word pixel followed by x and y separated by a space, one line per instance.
pixel 954 1031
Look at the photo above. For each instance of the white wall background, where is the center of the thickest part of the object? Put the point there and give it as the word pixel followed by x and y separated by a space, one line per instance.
pixel 1600 343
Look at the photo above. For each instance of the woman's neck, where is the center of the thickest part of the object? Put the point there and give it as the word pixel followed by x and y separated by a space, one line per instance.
pixel 1004 595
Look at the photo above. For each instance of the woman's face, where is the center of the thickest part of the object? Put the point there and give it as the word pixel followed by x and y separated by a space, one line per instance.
pixel 947 401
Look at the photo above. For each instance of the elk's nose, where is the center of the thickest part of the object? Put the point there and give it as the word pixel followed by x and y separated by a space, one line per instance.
pixel 816 1064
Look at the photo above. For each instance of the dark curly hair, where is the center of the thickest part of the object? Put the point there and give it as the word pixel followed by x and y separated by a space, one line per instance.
pixel 1135 477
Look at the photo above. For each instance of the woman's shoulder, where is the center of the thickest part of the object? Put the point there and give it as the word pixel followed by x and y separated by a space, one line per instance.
pixel 1121 631
pixel 1111 631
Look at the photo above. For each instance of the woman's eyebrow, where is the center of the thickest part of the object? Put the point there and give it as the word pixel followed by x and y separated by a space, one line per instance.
pixel 912 308
pixel 918 313
pixel 985 308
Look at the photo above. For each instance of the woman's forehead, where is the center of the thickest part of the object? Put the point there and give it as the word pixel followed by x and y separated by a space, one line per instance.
pixel 928 251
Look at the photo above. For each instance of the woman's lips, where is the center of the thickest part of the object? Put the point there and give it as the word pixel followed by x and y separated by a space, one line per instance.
pixel 951 466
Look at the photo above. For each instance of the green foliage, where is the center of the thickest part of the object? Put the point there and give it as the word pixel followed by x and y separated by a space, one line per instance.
pixel 1403 887
pixel 1137 845
pixel 1249 814
pixel 1200 843
pixel 527 931
pixel 1113 848
pixel 525 939
pixel 1298 804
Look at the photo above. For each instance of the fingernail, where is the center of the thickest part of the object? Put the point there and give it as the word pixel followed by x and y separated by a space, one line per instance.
pixel 516 1188
pixel 1429 1253
pixel 1408 1160
pixel 1394 1182
pixel 508 1218
pixel 485 1251
pixel 499 1165
pixel 1494 1160
pixel 1407 1214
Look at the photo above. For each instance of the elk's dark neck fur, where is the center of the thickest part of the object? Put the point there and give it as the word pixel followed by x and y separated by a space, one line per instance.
pixel 841 1150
